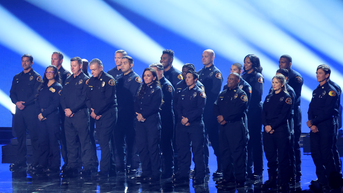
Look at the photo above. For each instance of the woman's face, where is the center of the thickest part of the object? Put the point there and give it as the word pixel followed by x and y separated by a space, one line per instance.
pixel 148 77
pixel 190 79
pixel 247 64
pixel 321 76
pixel 49 73
pixel 277 84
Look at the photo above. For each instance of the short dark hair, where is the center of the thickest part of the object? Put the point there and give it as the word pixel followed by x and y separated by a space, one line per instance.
pixel 195 75
pixel 129 58
pixel 190 66
pixel 169 52
pixel 121 52
pixel 78 59
pixel 238 65
pixel 325 68
pixel 60 55
pixel 237 75
pixel 96 60
pixel 29 56
pixel 288 57
pixel 158 66
pixel 283 72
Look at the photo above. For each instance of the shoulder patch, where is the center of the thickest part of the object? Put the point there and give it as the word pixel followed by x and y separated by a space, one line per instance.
pixel 138 79
pixel 39 78
pixel 219 75
pixel 170 88
pixel 87 81
pixel 68 74
pixel 288 100
pixel 244 98
pixel 299 79
pixel 59 92
pixel 260 80
pixel 202 94
pixel 332 93
pixel 180 77
pixel 111 82
pixel 250 90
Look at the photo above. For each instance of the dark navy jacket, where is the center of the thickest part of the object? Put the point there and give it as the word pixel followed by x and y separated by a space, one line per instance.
pixel 150 102
pixel 64 74
pixel 115 73
pixel 255 80
pixel 173 75
pixel 48 99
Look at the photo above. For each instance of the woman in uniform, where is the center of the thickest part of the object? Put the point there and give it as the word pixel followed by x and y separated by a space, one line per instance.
pixel 276 136
pixel 148 125
pixel 47 103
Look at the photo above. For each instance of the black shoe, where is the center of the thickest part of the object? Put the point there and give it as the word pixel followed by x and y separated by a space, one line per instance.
pixel 17 166
pixel 268 185
pixel 38 169
pixel 69 172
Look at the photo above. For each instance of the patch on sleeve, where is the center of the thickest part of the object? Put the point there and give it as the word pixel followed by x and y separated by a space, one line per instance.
pixel 52 89
pixel 170 88
pixel 87 81
pixel 39 79
pixel 59 92
pixel 260 80
pixel 180 77
pixel 138 79
pixel 219 75
pixel 299 79
pixel 332 93
pixel 288 100
pixel 68 74
pixel 244 98
pixel 203 95
pixel 111 82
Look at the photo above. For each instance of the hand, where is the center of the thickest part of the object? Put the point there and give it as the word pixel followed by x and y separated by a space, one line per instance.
pixel 314 129
pixel 140 118
pixel 187 124
pixel 20 105
pixel 223 122
pixel 184 120
pixel 220 118
pixel 40 117
pixel 68 112
pixel 93 115
pixel 309 124
pixel 268 128
pixel 272 131
pixel 97 117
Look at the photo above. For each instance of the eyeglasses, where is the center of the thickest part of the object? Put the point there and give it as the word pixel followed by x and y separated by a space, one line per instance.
pixel 49 72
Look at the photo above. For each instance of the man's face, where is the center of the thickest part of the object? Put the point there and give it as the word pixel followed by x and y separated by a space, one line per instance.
pixel 75 67
pixel 95 69
pixel 118 59
pixel 166 60
pixel 321 76
pixel 55 60
pixel 26 63
pixel 158 72
pixel 125 65
pixel 232 81
pixel 235 69
pixel 284 64
pixel 207 58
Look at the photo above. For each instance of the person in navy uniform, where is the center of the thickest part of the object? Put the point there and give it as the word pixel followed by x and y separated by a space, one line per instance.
pixel 321 122
pixel 124 133
pixel 252 74
pixel 276 112
pixel 190 131
pixel 296 81
pixel 170 72
pixel 167 122
pixel 76 124
pixel 85 66
pixel 23 90
pixel 47 105
pixel 211 77
pixel 118 56
pixel 148 125
pixel 57 60
pixel 103 104
pixel 230 108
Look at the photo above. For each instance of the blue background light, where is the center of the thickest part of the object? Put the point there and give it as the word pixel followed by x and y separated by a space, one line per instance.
pixel 310 31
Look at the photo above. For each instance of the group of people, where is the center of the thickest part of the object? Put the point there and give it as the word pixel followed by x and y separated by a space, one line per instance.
pixel 156 121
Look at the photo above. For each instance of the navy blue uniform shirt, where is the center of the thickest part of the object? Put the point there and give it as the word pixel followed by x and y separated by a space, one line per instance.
pixel 255 80
pixel 149 104
pixel 212 80
pixel 48 99
pixel 64 74
pixel 173 75
pixel 295 80
pixel 115 73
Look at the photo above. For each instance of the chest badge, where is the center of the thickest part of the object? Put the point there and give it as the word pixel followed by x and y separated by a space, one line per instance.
pixel 31 78
pixel 103 84
pixel 194 94
pixel 281 99
pixel 52 89
pixel 80 81
pixel 235 96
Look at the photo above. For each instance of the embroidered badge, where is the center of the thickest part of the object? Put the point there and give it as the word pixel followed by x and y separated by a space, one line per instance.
pixel 68 74
pixel 203 95
pixel 288 101
pixel 235 96
pixel 260 80
pixel 332 93
pixel 210 74
pixel 244 98
pixel 170 88
pixel 194 94
pixel 111 82
pixel 138 79
pixel 31 78
pixel 103 84
pixel 180 77
pixel 80 81
pixel 39 79
pixel 152 91
pixel 281 99
pixel 299 79
pixel 219 75
pixel 52 89
pixel 87 81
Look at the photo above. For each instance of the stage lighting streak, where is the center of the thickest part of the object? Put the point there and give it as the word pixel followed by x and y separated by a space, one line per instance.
pixel 318 30
pixel 100 20
pixel 6 102
pixel 192 26
pixel 19 37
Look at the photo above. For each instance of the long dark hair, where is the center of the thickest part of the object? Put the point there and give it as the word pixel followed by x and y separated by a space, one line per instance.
pixel 255 63
pixel 45 80
pixel 143 87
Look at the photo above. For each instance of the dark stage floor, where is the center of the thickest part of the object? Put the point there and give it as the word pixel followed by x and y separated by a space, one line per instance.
pixel 22 183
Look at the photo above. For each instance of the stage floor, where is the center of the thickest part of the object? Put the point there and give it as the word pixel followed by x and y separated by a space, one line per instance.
pixel 22 183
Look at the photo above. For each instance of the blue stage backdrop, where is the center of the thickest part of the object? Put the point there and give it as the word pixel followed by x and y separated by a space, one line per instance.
pixel 308 30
